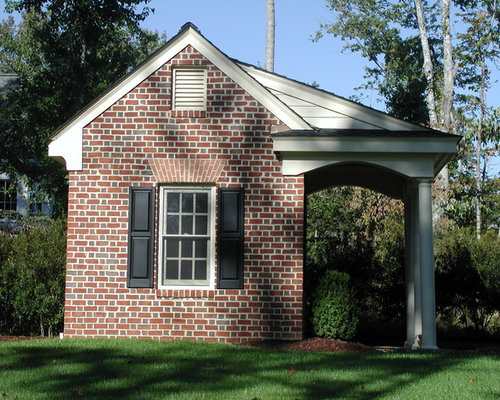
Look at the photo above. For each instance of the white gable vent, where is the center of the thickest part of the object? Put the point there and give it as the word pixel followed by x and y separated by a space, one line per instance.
pixel 189 89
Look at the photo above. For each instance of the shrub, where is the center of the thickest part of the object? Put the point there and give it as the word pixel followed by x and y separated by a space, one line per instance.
pixel 32 272
pixel 334 309
pixel 361 233
pixel 6 308
pixel 467 278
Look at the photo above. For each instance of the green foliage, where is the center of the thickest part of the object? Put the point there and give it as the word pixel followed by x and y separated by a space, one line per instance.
pixel 32 272
pixel 467 277
pixel 334 309
pixel 461 205
pixel 361 233
pixel 375 30
pixel 66 53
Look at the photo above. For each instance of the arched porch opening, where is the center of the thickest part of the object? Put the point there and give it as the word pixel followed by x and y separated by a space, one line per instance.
pixel 401 164
pixel 354 215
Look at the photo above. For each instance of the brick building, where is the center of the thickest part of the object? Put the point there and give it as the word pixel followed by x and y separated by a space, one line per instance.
pixel 187 182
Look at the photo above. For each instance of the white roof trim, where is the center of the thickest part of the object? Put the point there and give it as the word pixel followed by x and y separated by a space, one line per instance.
pixel 379 144
pixel 409 156
pixel 328 100
pixel 66 144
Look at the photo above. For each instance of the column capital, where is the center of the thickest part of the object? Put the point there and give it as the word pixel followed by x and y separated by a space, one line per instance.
pixel 424 181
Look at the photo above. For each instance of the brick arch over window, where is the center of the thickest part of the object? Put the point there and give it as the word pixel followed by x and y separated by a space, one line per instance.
pixel 189 170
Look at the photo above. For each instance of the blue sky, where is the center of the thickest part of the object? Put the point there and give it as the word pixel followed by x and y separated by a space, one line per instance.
pixel 238 28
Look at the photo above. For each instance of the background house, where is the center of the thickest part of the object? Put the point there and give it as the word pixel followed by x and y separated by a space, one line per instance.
pixel 14 194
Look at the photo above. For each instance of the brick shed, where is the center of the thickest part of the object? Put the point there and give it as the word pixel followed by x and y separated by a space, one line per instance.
pixel 187 182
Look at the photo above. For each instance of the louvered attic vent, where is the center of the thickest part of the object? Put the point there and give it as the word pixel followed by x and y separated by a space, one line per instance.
pixel 189 89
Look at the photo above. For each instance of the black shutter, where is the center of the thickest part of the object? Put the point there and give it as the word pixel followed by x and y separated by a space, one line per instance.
pixel 141 237
pixel 231 238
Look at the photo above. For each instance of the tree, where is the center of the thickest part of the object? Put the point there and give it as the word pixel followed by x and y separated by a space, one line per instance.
pixel 65 53
pixel 270 28
pixel 377 31
pixel 480 43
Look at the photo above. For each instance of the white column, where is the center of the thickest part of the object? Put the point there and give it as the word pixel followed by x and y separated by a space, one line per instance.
pixel 409 270
pixel 413 272
pixel 426 261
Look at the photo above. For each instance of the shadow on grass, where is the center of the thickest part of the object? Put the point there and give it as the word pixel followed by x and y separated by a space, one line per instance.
pixel 109 369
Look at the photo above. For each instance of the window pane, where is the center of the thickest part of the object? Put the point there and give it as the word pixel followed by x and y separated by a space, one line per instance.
pixel 186 269
pixel 187 224
pixel 187 202
pixel 172 248
pixel 201 202
pixel 173 202
pixel 173 224
pixel 187 248
pixel 200 269
pixel 200 248
pixel 201 225
pixel 172 269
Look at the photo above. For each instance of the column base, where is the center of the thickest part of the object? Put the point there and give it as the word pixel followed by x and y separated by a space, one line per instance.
pixel 416 344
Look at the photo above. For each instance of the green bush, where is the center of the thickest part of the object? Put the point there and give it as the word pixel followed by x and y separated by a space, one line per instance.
pixel 467 278
pixel 334 309
pixel 6 307
pixel 361 233
pixel 32 273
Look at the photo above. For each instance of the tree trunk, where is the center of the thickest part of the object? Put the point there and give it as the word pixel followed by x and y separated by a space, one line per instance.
pixel 428 66
pixel 270 27
pixel 448 74
pixel 482 100
pixel 482 96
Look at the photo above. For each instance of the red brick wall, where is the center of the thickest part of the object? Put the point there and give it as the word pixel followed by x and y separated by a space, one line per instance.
pixel 139 141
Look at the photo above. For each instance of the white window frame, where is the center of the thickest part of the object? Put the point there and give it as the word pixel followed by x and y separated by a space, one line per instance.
pixel 175 71
pixel 209 284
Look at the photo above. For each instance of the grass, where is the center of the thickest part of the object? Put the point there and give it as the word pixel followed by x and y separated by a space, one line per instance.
pixel 141 369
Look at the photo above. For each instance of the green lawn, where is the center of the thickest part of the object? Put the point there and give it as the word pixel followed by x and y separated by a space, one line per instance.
pixel 142 369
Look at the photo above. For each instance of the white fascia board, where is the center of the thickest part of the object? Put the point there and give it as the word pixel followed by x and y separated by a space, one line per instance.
pixel 67 147
pixel 67 144
pixel 379 144
pixel 329 101
pixel 406 165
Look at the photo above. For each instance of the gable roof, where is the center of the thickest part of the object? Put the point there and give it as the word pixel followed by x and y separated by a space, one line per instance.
pixel 302 108
pixel 66 142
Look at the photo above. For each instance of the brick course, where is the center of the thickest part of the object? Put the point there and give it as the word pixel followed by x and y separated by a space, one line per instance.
pixel 140 141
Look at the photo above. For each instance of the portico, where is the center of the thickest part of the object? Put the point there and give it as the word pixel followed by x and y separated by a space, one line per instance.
pixel 400 164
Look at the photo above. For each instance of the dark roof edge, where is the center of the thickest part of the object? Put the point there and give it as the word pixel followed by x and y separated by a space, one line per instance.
pixel 188 25
pixel 366 133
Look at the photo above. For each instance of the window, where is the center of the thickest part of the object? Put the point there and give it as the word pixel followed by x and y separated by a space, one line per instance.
pixel 189 89
pixel 34 202
pixel 8 195
pixel 186 236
